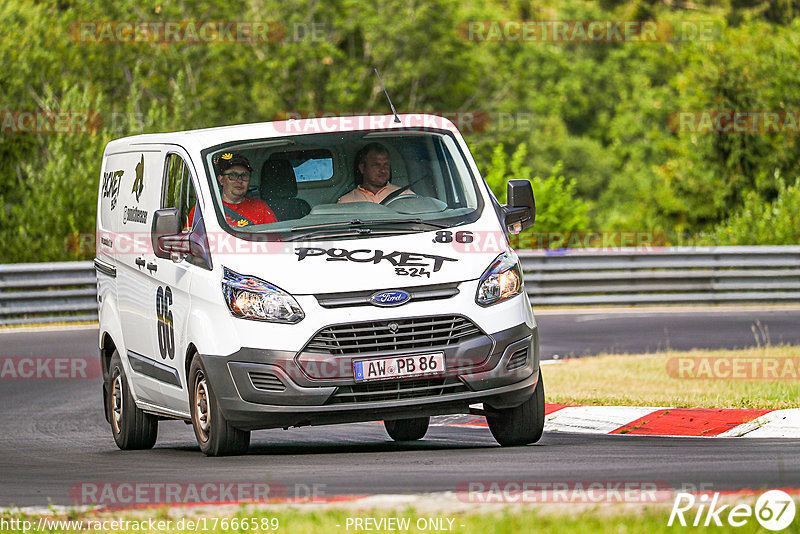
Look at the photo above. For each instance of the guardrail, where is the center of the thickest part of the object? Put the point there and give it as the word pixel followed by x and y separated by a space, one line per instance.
pixel 47 292
pixel 696 275
pixel 51 292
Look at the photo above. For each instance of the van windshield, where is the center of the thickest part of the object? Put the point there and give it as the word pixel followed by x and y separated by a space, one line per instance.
pixel 342 184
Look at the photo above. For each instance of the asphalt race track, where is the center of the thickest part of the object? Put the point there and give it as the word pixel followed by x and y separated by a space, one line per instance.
pixel 54 436
pixel 632 332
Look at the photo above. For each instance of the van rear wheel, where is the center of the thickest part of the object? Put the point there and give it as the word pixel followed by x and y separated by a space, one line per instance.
pixel 407 429
pixel 214 433
pixel 132 428
pixel 522 425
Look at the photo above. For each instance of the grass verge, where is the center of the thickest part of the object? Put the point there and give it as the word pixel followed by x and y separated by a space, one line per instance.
pixel 764 377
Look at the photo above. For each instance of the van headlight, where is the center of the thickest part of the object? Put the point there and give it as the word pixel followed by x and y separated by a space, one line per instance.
pixel 249 297
pixel 501 281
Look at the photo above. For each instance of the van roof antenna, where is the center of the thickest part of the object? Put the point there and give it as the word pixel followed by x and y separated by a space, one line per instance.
pixel 394 111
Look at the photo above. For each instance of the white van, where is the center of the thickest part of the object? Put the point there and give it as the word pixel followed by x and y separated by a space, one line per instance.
pixel 311 272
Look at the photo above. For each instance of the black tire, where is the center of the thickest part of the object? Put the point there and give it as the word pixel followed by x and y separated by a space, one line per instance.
pixel 522 425
pixel 214 433
pixel 132 428
pixel 407 429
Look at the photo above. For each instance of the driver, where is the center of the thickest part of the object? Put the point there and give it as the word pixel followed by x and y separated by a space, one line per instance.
pixel 372 175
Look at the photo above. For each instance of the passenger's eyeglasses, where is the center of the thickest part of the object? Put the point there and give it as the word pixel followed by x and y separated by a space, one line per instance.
pixel 236 177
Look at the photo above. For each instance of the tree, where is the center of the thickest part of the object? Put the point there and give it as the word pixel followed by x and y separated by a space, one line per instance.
pixel 557 208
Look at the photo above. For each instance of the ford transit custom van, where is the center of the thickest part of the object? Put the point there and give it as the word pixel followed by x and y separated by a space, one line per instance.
pixel 311 272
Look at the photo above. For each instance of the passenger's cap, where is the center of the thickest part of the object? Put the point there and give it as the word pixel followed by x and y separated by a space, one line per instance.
pixel 229 159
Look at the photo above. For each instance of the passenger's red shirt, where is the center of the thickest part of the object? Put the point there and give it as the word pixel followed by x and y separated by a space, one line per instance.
pixel 251 209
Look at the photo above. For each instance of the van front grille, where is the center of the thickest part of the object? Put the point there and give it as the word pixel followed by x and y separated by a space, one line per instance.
pixel 393 335
pixel 397 390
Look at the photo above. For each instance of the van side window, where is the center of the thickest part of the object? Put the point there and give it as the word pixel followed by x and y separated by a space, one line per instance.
pixel 179 190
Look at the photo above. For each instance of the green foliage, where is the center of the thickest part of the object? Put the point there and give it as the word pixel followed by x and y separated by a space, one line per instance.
pixel 502 170
pixel 57 192
pixel 763 222
pixel 557 208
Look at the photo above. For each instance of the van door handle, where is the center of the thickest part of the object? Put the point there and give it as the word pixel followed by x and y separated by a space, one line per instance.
pixel 152 267
pixel 140 262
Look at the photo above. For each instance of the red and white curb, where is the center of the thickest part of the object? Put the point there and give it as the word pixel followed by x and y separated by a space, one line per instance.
pixel 652 421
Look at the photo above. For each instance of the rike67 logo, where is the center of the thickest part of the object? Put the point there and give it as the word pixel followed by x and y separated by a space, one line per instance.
pixel 774 510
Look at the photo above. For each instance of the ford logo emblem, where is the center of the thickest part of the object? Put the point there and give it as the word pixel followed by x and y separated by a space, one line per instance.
pixel 390 298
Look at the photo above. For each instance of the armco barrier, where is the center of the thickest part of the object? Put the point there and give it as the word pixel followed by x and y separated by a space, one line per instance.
pixel 50 292
pixel 696 275
pixel 47 292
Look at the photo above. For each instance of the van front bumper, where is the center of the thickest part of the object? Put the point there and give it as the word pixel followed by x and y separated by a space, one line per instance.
pixel 261 388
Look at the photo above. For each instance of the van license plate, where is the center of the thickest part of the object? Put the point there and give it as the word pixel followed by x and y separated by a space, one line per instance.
pixel 399 367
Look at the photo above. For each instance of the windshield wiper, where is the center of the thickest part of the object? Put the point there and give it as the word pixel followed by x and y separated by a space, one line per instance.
pixel 347 232
pixel 359 227
pixel 355 223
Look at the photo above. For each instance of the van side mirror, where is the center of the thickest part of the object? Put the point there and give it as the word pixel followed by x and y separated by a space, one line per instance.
pixel 166 223
pixel 520 212
pixel 170 242
pixel 199 249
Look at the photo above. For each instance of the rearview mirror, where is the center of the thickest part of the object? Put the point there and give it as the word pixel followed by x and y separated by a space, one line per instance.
pixel 520 212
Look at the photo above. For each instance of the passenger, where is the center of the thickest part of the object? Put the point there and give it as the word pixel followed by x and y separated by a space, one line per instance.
pixel 233 174
pixel 372 174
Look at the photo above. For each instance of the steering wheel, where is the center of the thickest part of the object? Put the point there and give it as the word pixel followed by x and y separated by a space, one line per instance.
pixel 394 194
pixel 391 197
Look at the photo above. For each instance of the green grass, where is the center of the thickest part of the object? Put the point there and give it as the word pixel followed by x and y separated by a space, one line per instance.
pixel 649 380
pixel 612 519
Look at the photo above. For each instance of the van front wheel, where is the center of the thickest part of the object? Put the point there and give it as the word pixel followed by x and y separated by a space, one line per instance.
pixel 214 433
pixel 407 429
pixel 132 428
pixel 522 425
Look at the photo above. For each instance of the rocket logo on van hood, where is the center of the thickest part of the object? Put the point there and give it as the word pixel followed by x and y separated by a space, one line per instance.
pixel 396 258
